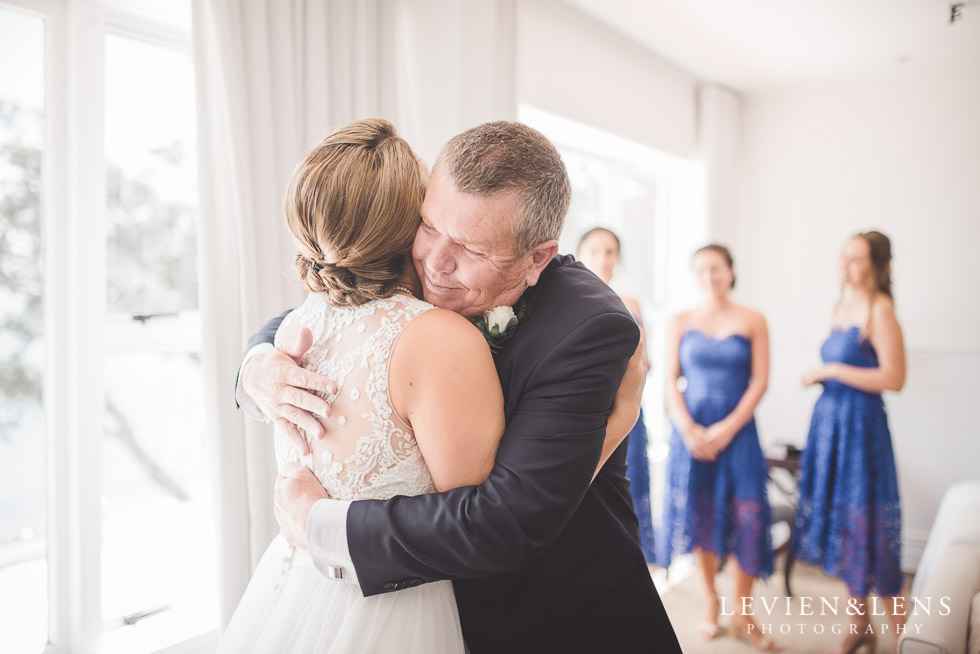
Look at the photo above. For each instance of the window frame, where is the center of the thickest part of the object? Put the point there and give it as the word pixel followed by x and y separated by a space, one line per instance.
pixel 73 229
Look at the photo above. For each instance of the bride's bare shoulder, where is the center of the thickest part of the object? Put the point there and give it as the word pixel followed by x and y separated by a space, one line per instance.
pixel 445 331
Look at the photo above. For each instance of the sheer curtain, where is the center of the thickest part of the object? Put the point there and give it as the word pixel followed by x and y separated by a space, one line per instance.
pixel 273 78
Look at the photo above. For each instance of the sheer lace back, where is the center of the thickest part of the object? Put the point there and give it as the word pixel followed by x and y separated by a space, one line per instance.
pixel 369 452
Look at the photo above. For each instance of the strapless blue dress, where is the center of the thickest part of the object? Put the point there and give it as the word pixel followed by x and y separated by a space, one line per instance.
pixel 638 472
pixel 719 506
pixel 849 519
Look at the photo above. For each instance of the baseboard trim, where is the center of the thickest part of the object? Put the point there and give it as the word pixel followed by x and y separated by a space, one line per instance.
pixel 913 545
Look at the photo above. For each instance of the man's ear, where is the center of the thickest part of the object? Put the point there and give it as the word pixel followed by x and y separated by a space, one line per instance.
pixel 541 255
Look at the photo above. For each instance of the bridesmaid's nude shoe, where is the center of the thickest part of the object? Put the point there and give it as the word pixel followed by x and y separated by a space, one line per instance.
pixel 755 639
pixel 707 630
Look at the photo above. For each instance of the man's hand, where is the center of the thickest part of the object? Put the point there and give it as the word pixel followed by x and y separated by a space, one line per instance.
pixel 281 389
pixel 297 490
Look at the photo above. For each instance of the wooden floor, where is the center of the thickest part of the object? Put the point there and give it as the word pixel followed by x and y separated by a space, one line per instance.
pixel 796 633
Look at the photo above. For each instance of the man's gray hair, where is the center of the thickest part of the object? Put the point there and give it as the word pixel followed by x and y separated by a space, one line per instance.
pixel 501 157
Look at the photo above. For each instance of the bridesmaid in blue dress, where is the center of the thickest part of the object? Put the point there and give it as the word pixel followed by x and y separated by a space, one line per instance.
pixel 715 501
pixel 849 518
pixel 599 251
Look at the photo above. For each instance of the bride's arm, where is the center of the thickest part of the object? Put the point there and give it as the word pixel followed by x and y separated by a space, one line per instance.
pixel 443 383
pixel 626 407
pixel 542 472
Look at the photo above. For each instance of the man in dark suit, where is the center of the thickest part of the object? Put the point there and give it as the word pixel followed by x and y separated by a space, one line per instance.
pixel 543 557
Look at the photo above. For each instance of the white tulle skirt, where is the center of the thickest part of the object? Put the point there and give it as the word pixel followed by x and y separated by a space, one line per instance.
pixel 290 607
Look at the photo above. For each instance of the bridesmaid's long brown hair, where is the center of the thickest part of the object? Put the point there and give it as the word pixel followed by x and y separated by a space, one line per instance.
pixel 881 260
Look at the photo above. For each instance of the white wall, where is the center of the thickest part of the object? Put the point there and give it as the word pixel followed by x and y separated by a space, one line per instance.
pixel 455 68
pixel 575 67
pixel 817 163
pixel 901 155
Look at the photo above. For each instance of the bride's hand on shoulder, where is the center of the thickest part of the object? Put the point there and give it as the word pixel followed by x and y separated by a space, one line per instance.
pixel 285 392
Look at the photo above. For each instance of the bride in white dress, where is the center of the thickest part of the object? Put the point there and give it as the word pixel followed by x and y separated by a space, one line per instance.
pixel 418 408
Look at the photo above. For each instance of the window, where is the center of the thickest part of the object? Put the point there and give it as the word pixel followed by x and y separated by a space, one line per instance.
pixel 106 537
pixel 155 500
pixel 23 548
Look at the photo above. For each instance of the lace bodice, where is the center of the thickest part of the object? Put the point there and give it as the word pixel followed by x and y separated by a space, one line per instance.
pixel 369 452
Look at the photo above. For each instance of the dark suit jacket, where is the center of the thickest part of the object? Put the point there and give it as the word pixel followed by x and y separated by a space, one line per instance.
pixel 542 559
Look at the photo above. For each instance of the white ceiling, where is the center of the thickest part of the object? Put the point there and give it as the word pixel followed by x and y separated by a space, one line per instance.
pixel 753 45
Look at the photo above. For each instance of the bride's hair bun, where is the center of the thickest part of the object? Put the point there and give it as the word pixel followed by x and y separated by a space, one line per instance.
pixel 345 286
pixel 353 205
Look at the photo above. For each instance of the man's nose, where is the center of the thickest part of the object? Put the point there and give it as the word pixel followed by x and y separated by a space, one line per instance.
pixel 441 257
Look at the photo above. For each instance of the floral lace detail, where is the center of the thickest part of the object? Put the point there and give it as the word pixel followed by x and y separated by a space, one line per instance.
pixel 849 516
pixel 740 529
pixel 368 453
pixel 859 544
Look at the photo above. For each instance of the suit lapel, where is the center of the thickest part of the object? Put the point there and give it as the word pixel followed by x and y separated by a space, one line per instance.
pixel 509 358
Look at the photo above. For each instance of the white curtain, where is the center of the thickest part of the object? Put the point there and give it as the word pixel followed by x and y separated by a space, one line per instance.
pixel 273 78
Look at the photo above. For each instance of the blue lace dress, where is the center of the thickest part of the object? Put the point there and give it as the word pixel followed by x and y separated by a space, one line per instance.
pixel 719 506
pixel 638 471
pixel 848 519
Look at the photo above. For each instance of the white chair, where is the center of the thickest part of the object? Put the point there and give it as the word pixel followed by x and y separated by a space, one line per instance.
pixel 950 568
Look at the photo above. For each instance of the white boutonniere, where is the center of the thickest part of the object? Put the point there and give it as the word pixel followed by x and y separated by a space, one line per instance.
pixel 499 324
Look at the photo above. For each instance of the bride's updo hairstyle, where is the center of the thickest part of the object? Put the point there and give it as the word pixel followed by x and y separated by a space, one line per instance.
pixel 353 205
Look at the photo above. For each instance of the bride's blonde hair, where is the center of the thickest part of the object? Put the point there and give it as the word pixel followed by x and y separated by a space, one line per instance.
pixel 353 205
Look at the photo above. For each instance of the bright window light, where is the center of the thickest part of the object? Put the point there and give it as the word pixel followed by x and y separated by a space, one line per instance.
pixel 158 564
pixel 23 564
